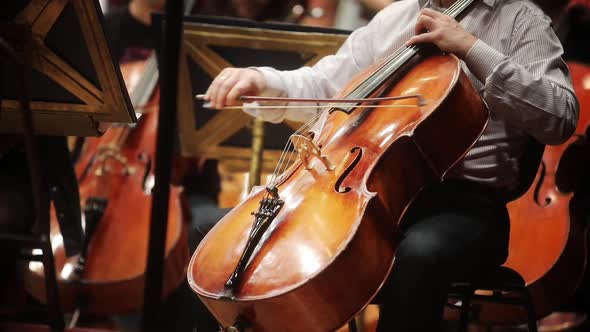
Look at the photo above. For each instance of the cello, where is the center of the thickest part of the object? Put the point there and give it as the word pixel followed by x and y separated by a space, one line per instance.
pixel 282 268
pixel 116 176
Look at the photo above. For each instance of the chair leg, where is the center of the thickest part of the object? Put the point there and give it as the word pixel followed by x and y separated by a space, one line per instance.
pixel 465 307
pixel 56 319
pixel 352 325
pixel 530 308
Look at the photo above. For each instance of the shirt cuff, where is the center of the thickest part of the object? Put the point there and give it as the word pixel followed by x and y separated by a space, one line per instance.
pixel 272 78
pixel 482 59
pixel 274 88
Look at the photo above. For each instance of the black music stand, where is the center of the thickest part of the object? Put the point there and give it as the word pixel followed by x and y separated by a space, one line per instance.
pixel 58 78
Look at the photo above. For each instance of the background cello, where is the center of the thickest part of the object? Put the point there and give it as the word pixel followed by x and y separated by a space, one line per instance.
pixel 115 174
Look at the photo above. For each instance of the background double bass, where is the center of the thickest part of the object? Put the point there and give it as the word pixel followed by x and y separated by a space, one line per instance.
pixel 548 241
pixel 548 247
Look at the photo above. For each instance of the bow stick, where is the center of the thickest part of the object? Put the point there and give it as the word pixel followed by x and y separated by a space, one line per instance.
pixel 330 101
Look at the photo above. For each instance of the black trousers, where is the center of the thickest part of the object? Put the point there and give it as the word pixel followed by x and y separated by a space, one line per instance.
pixel 452 229
pixel 183 311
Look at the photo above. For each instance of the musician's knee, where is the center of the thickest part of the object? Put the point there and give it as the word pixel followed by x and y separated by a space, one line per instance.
pixel 422 250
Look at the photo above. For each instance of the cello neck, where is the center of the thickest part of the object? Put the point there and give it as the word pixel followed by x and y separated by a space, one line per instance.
pixel 455 11
pixel 140 94
pixel 458 8
pixel 144 88
pixel 396 61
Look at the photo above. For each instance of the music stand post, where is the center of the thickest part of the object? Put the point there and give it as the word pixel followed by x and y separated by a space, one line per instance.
pixel 22 37
pixel 169 64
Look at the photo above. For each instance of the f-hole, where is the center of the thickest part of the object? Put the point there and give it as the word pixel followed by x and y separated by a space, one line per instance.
pixel 539 186
pixel 348 170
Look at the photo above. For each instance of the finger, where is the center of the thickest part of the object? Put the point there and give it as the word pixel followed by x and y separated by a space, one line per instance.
pixel 428 37
pixel 425 24
pixel 224 87
pixel 214 86
pixel 239 89
pixel 217 83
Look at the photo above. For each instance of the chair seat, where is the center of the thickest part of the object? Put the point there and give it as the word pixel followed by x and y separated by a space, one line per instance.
pixel 500 278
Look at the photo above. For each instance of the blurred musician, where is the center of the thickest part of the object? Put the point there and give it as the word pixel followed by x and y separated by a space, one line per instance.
pixel 372 7
pixel 573 26
pixel 129 32
pixel 307 12
pixel 320 13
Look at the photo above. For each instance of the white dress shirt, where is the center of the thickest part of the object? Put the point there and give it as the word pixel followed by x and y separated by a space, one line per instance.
pixel 516 66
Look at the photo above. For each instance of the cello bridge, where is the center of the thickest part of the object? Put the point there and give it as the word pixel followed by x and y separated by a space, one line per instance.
pixel 112 154
pixel 307 150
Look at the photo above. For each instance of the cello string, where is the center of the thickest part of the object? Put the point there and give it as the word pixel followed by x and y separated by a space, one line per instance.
pixel 455 11
pixel 384 73
pixel 285 151
pixel 282 166
pixel 391 65
pixel 362 90
pixel 307 127
pixel 321 115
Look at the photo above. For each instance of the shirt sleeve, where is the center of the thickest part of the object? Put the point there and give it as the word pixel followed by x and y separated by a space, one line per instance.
pixel 324 79
pixel 530 88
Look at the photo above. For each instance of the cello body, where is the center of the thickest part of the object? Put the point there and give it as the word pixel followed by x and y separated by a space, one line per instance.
pixel 339 228
pixel 117 167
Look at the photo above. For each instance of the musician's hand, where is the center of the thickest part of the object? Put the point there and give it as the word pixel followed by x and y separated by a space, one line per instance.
pixel 444 32
pixel 232 83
